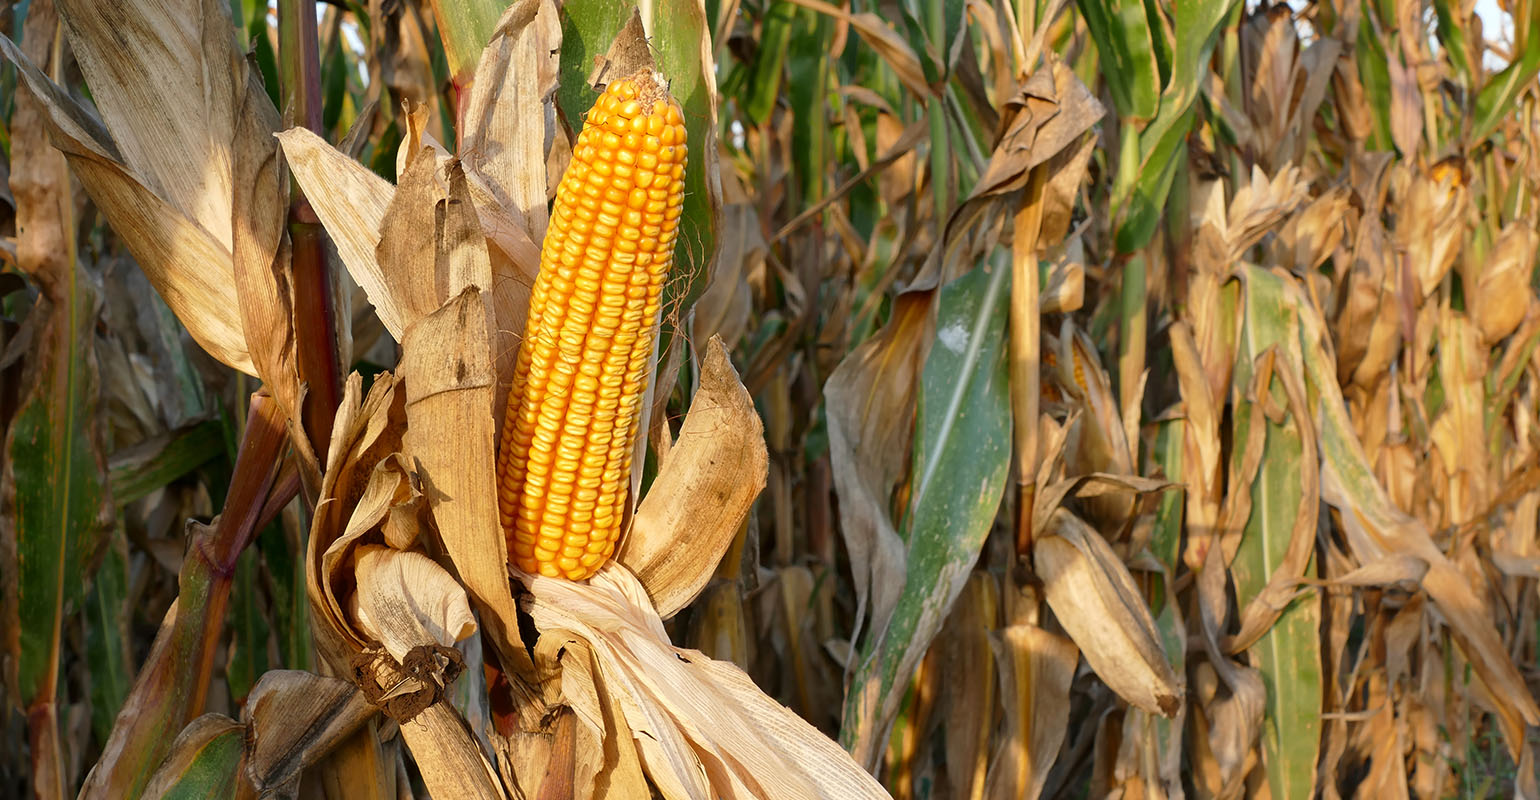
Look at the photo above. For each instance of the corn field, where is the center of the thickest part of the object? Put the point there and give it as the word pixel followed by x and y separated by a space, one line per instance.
pixel 688 399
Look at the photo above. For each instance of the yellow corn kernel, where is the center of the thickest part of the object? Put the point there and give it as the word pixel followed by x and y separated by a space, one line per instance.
pixel 565 459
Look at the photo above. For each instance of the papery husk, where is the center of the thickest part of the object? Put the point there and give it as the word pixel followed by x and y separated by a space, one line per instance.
pixel 1097 602
pixel 698 723
pixel 704 491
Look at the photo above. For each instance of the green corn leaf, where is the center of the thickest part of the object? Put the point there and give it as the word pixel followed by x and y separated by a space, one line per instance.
pixel 771 60
pixel 465 27
pixel 205 761
pixel 107 639
pixel 1375 75
pixel 1497 97
pixel 1451 34
pixel 1123 36
pixel 1288 656
pixel 53 490
pixel 961 458
pixel 680 39
pixel 249 629
pixel 1143 183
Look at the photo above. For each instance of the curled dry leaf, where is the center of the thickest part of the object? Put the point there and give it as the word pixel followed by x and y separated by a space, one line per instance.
pixel 871 402
pixel 1260 205
pixel 703 494
pixel 1047 117
pixel 405 600
pixel 701 727
pixel 1065 291
pixel 293 718
pixel 189 266
pixel 366 432
pixel 1098 603
pixel 1102 440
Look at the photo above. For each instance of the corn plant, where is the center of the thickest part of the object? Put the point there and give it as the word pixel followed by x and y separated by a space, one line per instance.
pixel 769 398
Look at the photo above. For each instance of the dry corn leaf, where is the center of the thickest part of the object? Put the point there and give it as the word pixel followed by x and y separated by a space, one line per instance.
pixel 871 402
pixel 293 719
pixel 1405 106
pixel 1433 232
pixel 1458 432
pixel 723 309
pixel 704 491
pixel 1395 569
pixel 505 152
pixel 618 774
pixel 171 84
pixel 1235 716
pixel 1201 447
pixel 409 237
pixel 190 130
pixel 189 266
pixel 719 624
pixel 968 692
pixel 1098 603
pixel 502 140
pixel 697 722
pixel 1036 669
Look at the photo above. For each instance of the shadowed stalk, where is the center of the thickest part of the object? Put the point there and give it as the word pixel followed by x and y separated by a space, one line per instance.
pixel 1026 344
pixel 1133 328
pixel 174 679
pixel 315 316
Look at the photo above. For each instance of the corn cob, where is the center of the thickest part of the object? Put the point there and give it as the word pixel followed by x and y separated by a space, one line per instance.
pixel 571 418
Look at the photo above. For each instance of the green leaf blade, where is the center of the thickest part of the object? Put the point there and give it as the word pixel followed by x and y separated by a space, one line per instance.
pixel 962 458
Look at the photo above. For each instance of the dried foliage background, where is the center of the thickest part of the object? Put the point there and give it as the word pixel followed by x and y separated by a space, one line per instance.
pixel 1151 389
